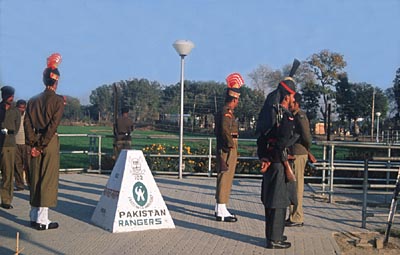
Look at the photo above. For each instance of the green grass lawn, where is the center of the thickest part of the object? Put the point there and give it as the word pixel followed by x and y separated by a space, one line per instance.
pixel 154 142
pixel 146 140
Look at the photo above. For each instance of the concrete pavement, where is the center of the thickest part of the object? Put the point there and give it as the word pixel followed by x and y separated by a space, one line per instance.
pixel 191 204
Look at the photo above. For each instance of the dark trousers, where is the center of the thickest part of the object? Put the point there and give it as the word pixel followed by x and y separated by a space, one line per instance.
pixel 274 223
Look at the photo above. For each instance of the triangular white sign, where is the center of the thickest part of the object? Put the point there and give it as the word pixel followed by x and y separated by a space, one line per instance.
pixel 131 200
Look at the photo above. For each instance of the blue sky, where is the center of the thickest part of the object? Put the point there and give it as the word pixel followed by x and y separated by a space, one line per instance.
pixel 103 41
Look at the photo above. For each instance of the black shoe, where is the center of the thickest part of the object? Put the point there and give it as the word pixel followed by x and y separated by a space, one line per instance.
pixel 278 245
pixel 284 238
pixel 33 224
pixel 7 206
pixel 226 219
pixel 294 224
pixel 51 225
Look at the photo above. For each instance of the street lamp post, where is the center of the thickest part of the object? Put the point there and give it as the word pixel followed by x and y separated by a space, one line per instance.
pixel 378 114
pixel 183 47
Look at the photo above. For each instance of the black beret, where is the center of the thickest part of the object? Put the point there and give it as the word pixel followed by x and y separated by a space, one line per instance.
pixel 7 91
pixel 288 86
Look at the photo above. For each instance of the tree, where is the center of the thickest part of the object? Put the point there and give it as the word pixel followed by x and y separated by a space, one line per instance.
pixel 72 110
pixel 265 79
pixel 354 100
pixel 326 66
pixel 310 93
pixel 102 99
pixel 396 91
pixel 142 97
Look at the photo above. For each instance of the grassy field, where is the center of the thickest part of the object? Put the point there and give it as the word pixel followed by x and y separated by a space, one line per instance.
pixel 153 142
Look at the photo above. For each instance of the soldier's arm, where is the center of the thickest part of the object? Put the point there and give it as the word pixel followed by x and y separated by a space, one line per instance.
pixel 306 138
pixel 53 124
pixel 226 125
pixel 17 120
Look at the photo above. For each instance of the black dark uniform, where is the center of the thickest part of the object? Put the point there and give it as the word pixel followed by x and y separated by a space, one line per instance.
pixel 277 193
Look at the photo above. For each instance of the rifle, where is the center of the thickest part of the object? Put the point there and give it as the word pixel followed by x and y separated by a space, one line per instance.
pixel 311 158
pixel 288 169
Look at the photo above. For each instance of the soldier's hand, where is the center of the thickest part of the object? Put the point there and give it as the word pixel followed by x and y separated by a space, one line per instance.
pixel 264 165
pixel 35 152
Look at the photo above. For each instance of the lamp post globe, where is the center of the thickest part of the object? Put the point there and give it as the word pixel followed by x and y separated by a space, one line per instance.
pixel 183 48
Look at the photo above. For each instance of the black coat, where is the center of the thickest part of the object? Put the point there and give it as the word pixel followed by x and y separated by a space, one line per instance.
pixel 276 191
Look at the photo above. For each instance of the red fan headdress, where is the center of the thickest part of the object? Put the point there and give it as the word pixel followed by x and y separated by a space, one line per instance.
pixel 234 82
pixel 54 60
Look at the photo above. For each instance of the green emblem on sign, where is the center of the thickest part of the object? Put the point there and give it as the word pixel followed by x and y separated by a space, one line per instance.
pixel 140 193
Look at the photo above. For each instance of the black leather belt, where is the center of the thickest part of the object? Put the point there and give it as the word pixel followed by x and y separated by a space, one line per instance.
pixel 40 131
pixel 9 132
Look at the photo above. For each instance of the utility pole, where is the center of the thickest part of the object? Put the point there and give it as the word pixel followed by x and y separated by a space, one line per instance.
pixel 372 115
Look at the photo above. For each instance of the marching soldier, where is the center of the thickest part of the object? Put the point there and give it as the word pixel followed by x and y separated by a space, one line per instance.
pixel 10 120
pixel 43 115
pixel 226 131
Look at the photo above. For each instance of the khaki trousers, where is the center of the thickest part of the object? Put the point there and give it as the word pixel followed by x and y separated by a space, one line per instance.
pixel 7 174
pixel 296 211
pixel 225 179
pixel 121 145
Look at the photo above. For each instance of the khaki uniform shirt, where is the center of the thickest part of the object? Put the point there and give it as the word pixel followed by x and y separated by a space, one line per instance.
pixel 226 129
pixel 43 115
pixel 124 128
pixel 9 119
pixel 302 127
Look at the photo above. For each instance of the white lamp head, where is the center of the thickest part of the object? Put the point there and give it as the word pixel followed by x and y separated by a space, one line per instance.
pixel 183 47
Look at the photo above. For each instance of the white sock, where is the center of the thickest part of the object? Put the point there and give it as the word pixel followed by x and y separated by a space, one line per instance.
pixel 43 215
pixel 222 211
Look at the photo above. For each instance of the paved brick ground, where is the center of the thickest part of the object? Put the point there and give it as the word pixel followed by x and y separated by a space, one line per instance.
pixel 191 204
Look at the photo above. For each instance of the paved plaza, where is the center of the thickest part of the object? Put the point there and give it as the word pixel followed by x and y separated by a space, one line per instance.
pixel 191 203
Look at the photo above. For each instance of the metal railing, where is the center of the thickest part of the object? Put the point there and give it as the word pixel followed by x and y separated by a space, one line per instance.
pixel 326 182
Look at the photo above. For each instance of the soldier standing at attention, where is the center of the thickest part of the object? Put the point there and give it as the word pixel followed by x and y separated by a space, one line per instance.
pixel 43 115
pixel 123 130
pixel 226 131
pixel 300 151
pixel 9 124
pixel 22 152
pixel 276 189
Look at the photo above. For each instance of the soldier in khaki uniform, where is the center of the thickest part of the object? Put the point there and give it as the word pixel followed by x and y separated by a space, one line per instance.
pixel 123 130
pixel 300 151
pixel 226 131
pixel 10 120
pixel 43 115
